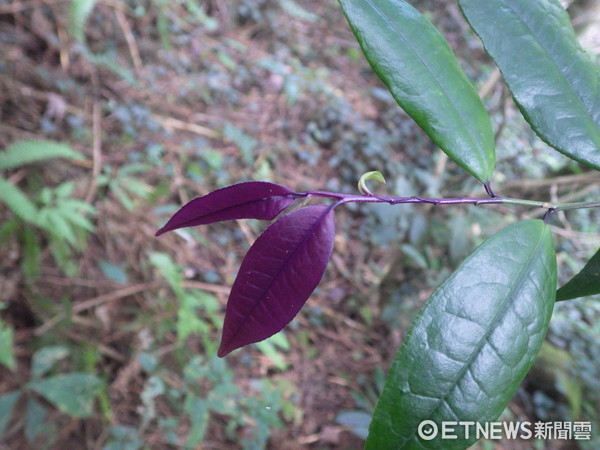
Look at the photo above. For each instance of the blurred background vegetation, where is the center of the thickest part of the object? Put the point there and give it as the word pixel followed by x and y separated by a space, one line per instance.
pixel 115 113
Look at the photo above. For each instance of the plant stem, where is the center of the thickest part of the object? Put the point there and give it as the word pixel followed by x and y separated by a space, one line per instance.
pixel 351 198
pixel 575 205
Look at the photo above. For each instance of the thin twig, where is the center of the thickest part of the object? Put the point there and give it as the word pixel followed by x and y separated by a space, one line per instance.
pixel 579 194
pixel 248 234
pixel 170 124
pixel 341 267
pixel 63 40
pixel 216 288
pixel 567 199
pixel 585 239
pixel 131 44
pixel 504 106
pixel 489 84
pixel 96 152
pixel 584 178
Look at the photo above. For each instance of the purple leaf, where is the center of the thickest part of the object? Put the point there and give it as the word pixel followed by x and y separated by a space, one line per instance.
pixel 251 200
pixel 277 276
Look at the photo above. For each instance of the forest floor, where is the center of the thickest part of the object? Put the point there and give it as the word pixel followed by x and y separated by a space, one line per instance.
pixel 167 101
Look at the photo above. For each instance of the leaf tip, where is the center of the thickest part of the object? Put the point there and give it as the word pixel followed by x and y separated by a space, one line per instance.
pixel 223 351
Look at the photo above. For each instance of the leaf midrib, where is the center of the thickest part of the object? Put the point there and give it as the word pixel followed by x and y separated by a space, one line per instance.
pixel 237 205
pixel 409 45
pixel 491 328
pixel 300 245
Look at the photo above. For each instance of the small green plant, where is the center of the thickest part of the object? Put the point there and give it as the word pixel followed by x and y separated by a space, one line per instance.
pixel 206 388
pixel 18 155
pixel 205 384
pixel 124 185
pixel 480 332
pixel 63 218
pixel 79 13
pixel 73 393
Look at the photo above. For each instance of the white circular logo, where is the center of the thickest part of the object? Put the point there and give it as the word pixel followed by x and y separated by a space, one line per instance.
pixel 427 430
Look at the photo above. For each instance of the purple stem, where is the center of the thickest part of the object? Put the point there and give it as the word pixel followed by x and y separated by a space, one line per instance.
pixel 351 198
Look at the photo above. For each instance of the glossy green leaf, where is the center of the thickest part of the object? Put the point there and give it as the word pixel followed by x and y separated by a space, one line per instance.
pixel 473 341
pixel 73 393
pixel 553 81
pixel 586 282
pixel 417 65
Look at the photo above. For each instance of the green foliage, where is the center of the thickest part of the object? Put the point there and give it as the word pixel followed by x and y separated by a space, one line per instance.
pixel 65 220
pixel 474 340
pixel 220 396
pixel 463 358
pixel 373 175
pixel 78 15
pixel 63 216
pixel 186 394
pixel 198 313
pixel 245 142
pixel 45 358
pixel 125 184
pixel 32 250
pixel 35 421
pixel 295 10
pixel 559 95
pixel 193 305
pixel 7 357
pixel 17 201
pixel 73 393
pixel 123 438
pixel 21 153
pixel 54 210
pixel 270 347
pixel 586 282
pixel 7 404
pixel 425 79
pixel 113 272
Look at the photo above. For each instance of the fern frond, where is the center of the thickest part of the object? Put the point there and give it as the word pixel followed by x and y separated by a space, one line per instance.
pixel 79 12
pixel 17 201
pixel 24 152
